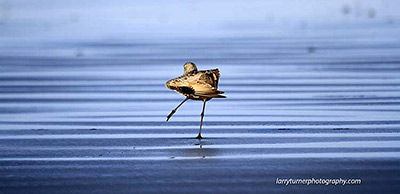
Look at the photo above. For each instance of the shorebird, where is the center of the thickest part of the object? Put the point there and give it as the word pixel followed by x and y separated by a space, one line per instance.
pixel 196 85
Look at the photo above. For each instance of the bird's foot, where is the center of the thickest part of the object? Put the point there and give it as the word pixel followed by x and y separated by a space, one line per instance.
pixel 199 136
pixel 170 115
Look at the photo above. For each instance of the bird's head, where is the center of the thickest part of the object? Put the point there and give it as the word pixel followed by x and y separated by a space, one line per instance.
pixel 189 68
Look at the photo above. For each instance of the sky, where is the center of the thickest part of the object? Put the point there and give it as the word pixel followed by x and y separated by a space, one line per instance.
pixel 57 20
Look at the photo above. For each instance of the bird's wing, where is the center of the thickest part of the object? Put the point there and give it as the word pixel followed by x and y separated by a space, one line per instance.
pixel 205 84
pixel 202 83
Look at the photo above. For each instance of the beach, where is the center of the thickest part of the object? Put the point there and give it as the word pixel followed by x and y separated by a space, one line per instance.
pixel 87 114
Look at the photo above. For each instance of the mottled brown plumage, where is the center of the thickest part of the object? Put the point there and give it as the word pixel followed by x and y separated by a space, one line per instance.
pixel 196 85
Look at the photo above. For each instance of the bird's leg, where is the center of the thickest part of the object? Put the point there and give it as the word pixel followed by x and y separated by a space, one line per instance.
pixel 201 120
pixel 175 109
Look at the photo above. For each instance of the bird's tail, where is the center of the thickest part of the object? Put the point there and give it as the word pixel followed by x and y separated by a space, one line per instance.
pixel 214 94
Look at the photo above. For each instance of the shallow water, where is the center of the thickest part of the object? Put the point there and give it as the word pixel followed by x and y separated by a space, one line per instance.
pixel 88 113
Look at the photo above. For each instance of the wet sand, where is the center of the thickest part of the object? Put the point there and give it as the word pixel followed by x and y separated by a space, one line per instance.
pixel 97 124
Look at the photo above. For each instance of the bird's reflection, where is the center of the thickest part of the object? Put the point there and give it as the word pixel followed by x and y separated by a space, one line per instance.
pixel 199 144
pixel 200 150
